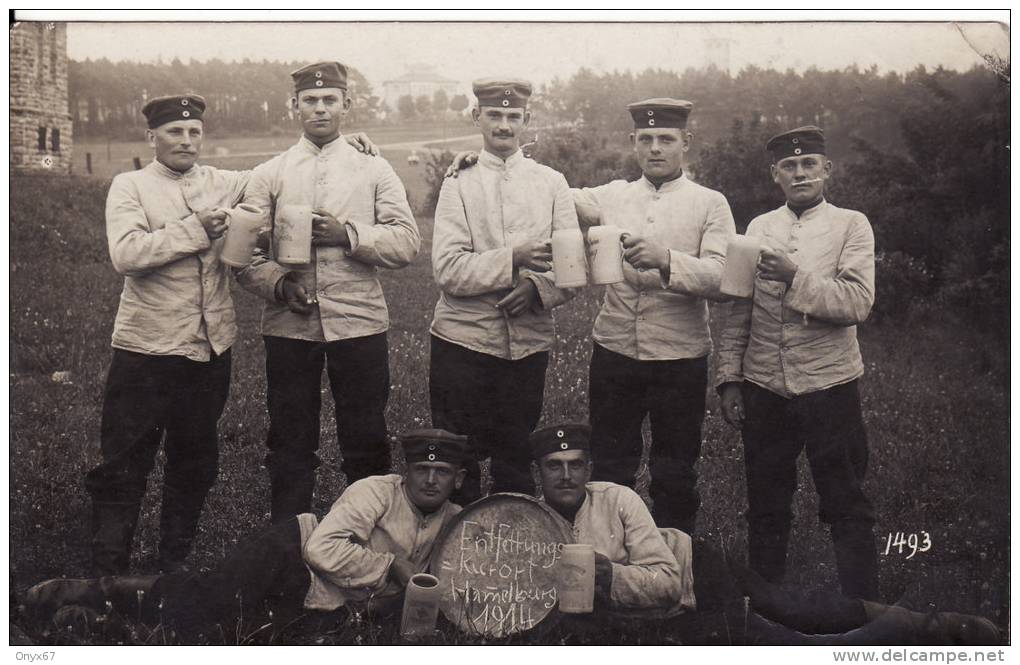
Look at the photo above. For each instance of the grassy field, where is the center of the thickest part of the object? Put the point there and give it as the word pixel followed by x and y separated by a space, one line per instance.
pixel 935 397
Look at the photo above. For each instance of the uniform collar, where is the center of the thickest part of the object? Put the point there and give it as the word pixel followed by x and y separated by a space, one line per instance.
pixel 670 186
pixel 810 212
pixel 494 162
pixel 333 146
pixel 167 172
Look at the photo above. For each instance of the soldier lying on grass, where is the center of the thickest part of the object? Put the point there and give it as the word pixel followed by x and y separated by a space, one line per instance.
pixel 378 533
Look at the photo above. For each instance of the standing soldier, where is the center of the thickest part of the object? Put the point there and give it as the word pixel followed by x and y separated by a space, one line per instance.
pixel 493 325
pixel 788 365
pixel 170 371
pixel 330 311
pixel 651 336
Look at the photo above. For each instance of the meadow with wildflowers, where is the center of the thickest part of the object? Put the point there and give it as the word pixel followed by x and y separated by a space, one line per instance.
pixel 935 398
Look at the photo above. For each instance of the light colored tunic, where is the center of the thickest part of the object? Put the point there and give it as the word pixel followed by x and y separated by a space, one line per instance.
pixel 176 297
pixel 481 215
pixel 651 577
pixel 646 317
pixel 803 338
pixel 363 193
pixel 349 553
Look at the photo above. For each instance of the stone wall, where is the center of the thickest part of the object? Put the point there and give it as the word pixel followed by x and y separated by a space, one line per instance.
pixel 40 129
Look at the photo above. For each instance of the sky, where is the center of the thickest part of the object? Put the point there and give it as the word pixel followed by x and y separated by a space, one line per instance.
pixel 541 51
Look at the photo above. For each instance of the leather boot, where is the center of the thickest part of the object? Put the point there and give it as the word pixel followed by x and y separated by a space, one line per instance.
pixel 178 523
pixel 113 529
pixel 291 495
pixel 44 599
pixel 766 552
pixel 856 558
pixel 947 628
pixel 812 612
pixel 131 595
pixel 888 629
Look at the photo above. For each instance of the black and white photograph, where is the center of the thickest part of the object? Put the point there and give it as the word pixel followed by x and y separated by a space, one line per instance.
pixel 438 329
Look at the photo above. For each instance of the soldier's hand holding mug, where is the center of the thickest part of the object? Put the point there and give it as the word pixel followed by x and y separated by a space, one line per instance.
pixel 534 254
pixel 214 221
pixel 776 265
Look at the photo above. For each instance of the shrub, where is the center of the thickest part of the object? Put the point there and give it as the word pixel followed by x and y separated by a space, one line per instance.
pixel 901 281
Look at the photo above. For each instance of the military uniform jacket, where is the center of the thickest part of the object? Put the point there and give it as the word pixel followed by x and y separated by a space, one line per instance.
pixel 481 216
pixel 365 194
pixel 803 338
pixel 646 317
pixel 176 297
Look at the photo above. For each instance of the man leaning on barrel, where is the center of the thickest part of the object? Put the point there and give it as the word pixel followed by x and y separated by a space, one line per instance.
pixel 377 535
pixel 642 571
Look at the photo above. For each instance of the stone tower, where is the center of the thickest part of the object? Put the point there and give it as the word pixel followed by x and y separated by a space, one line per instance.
pixel 40 129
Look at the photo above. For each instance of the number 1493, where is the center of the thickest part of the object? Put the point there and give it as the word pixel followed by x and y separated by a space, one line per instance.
pixel 912 542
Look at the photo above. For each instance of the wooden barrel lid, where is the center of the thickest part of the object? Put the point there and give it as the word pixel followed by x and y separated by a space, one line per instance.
pixel 496 563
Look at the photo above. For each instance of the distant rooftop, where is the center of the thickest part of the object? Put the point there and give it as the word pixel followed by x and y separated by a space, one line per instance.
pixel 421 73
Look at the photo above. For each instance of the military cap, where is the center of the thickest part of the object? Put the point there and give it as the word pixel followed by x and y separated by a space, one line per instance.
pixel 800 141
pixel 505 93
pixel 161 110
pixel 660 112
pixel 557 438
pixel 434 445
pixel 320 75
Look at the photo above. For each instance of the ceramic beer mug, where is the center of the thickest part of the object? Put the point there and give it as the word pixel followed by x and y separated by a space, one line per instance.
pixel 568 258
pixel 741 263
pixel 576 580
pixel 293 234
pixel 242 233
pixel 421 606
pixel 606 254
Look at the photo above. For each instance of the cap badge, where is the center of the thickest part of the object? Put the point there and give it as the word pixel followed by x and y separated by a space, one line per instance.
pixel 651 113
pixel 186 114
pixel 318 74
pixel 796 141
pixel 651 122
pixel 507 93
pixel 432 457
pixel 432 446
pixel 318 84
pixel 184 102
pixel 559 434
pixel 506 102
pixel 796 151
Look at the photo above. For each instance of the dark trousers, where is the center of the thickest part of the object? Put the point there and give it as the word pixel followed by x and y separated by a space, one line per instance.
pixel 672 392
pixel 828 424
pixel 264 579
pixel 359 378
pixel 497 403
pixel 147 396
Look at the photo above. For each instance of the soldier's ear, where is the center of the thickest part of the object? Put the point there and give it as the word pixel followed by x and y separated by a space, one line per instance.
pixel 827 168
pixel 476 113
pixel 348 101
pixel 293 102
pixel 527 118
pixel 775 173
pixel 459 478
pixel 150 136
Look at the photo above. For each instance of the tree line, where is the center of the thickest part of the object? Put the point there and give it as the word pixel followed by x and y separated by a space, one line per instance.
pixel 247 97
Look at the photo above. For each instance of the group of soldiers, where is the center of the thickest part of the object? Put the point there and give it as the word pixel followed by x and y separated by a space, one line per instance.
pixel 787 368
